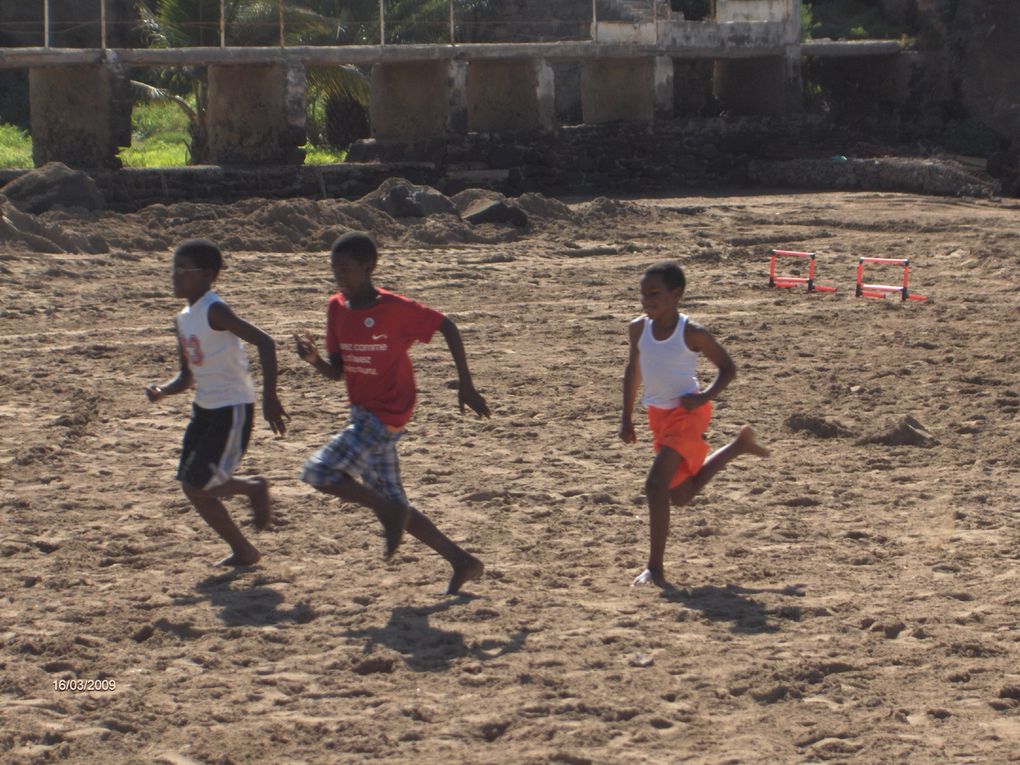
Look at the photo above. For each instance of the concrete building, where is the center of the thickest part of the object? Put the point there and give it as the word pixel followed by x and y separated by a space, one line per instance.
pixel 637 71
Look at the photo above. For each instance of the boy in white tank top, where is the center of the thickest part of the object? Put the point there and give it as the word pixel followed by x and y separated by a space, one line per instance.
pixel 212 358
pixel 664 350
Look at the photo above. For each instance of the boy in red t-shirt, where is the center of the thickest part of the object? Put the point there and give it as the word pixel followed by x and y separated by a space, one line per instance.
pixel 368 334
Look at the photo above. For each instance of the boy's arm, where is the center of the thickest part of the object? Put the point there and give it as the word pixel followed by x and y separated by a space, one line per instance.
pixel 466 393
pixel 631 382
pixel 700 340
pixel 305 347
pixel 179 384
pixel 221 318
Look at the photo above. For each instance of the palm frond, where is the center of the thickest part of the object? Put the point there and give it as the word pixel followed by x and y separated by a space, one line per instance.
pixel 339 82
pixel 146 94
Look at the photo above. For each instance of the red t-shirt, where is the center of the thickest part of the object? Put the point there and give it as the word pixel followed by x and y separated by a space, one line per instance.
pixel 374 343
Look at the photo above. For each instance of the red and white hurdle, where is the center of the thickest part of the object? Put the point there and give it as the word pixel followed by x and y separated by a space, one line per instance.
pixel 793 281
pixel 881 290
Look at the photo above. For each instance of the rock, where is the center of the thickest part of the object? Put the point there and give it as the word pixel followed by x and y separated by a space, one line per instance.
pixel 908 432
pixel 54 186
pixel 464 199
pixel 495 211
pixel 400 198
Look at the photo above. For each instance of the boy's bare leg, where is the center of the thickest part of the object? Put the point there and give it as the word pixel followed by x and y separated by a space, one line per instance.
pixel 465 566
pixel 660 496
pixel 256 489
pixel 215 514
pixel 392 515
pixel 657 491
pixel 744 443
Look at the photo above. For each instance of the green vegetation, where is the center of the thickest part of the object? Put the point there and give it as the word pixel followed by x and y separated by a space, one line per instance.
pixel 159 136
pixel 322 155
pixel 15 148
pixel 808 25
pixel 851 19
pixel 184 23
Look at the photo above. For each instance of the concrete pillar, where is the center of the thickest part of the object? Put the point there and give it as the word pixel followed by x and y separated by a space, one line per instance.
pixel 412 101
pixel 663 87
pixel 80 115
pixel 618 90
pixel 751 85
pixel 457 114
pixel 510 96
pixel 255 114
pixel 794 81
pixel 545 79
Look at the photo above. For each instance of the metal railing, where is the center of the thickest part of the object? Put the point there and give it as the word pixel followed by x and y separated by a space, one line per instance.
pixel 281 23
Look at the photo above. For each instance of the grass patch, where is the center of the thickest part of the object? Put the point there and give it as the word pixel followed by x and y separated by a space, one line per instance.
pixel 159 137
pixel 323 155
pixel 15 148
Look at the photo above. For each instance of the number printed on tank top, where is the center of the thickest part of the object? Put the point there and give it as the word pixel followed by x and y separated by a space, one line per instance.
pixel 193 350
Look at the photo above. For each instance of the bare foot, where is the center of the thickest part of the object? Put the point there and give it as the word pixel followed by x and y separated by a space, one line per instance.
pixel 261 505
pixel 748 443
pixel 249 558
pixel 393 529
pixel 647 577
pixel 464 570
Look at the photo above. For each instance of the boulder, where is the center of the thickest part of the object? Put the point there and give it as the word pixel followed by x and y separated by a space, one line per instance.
pixel 400 198
pixel 495 211
pixel 54 186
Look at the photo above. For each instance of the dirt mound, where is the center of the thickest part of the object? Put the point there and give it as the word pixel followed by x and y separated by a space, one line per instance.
pixel 602 207
pixel 32 233
pixel 907 432
pixel 816 426
pixel 291 225
pixel 541 207
pixel 939 177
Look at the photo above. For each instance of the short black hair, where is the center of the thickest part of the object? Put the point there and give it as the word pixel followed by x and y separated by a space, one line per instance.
pixel 202 252
pixel 671 273
pixel 358 245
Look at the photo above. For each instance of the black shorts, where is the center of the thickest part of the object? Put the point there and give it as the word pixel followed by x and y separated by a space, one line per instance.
pixel 214 443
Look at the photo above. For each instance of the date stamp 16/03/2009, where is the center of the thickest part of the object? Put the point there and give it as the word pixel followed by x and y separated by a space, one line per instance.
pixel 84 686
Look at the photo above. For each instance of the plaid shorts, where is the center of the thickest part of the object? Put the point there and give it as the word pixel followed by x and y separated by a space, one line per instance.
pixel 365 450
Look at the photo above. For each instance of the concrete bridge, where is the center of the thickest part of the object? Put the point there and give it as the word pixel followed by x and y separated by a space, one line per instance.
pixel 80 103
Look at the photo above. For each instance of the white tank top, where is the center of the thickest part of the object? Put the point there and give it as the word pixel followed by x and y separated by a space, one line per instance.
pixel 668 367
pixel 216 359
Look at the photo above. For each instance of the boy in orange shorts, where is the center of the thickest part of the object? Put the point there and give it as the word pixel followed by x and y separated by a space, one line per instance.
pixel 664 350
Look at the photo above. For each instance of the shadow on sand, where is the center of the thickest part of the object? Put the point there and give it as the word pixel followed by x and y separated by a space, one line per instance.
pixel 731 603
pixel 255 605
pixel 428 649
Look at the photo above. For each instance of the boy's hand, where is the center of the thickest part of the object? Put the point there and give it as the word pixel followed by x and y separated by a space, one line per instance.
pixel 627 434
pixel 304 344
pixel 275 414
pixel 466 394
pixel 692 401
pixel 154 393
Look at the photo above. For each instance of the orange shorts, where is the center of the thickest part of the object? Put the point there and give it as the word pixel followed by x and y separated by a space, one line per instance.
pixel 684 433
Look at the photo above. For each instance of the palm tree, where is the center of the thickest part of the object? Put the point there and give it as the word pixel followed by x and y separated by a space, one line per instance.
pixel 196 23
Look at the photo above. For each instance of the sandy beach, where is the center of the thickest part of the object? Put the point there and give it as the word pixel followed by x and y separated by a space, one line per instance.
pixel 852 598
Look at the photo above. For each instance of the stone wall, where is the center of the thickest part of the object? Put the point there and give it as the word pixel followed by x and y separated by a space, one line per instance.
pixel 133 188
pixel 684 156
